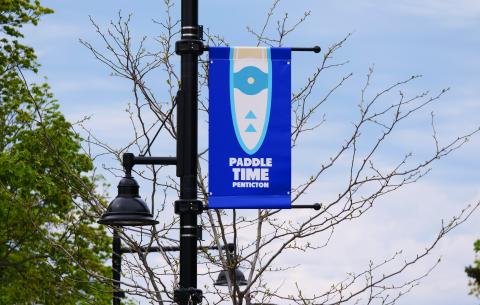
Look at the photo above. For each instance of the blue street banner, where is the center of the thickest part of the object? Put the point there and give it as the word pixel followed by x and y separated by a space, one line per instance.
pixel 249 128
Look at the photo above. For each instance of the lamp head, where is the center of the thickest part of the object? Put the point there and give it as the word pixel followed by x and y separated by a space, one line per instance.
pixel 128 209
pixel 239 278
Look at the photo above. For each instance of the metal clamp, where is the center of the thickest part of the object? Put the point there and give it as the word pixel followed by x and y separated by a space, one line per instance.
pixel 193 32
pixel 184 206
pixel 191 42
pixel 189 46
pixel 187 296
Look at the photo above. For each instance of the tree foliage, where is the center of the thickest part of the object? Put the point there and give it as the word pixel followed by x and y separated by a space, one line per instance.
pixel 474 271
pixel 47 238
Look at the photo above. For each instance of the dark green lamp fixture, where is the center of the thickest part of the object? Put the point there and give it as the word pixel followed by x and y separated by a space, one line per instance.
pixel 128 208
pixel 236 276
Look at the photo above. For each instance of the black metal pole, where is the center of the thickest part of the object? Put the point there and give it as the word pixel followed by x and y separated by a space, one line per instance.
pixel 116 267
pixel 188 207
pixel 188 181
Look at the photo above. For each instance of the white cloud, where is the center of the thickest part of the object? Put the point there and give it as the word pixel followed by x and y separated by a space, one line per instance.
pixel 441 8
pixel 71 86
pixel 52 31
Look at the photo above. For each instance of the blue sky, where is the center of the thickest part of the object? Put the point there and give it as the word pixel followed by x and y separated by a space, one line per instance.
pixel 436 38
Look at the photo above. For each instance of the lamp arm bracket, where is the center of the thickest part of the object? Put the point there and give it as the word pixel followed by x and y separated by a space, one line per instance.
pixel 184 206
pixel 130 160
pixel 125 250
pixel 187 295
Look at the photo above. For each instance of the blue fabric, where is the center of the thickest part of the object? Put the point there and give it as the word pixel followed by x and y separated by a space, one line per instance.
pixel 249 202
pixel 224 145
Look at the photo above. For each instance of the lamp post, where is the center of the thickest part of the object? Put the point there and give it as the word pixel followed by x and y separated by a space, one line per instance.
pixel 128 209
pixel 117 268
pixel 189 47
pixel 188 207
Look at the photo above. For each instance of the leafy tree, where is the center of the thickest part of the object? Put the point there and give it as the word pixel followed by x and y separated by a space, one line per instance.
pixel 49 244
pixel 474 271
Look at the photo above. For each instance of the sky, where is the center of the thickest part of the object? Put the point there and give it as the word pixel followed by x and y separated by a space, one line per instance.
pixel 435 38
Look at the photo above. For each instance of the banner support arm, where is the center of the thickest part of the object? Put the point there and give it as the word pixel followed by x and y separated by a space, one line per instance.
pixel 315 49
pixel 315 206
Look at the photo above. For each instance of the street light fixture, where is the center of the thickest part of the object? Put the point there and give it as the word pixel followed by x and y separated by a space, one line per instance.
pixel 236 276
pixel 128 209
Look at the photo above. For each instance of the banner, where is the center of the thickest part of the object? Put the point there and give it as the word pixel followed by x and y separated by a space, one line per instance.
pixel 249 128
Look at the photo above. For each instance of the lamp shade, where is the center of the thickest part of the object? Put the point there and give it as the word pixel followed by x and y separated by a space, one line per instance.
pixel 239 278
pixel 128 209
